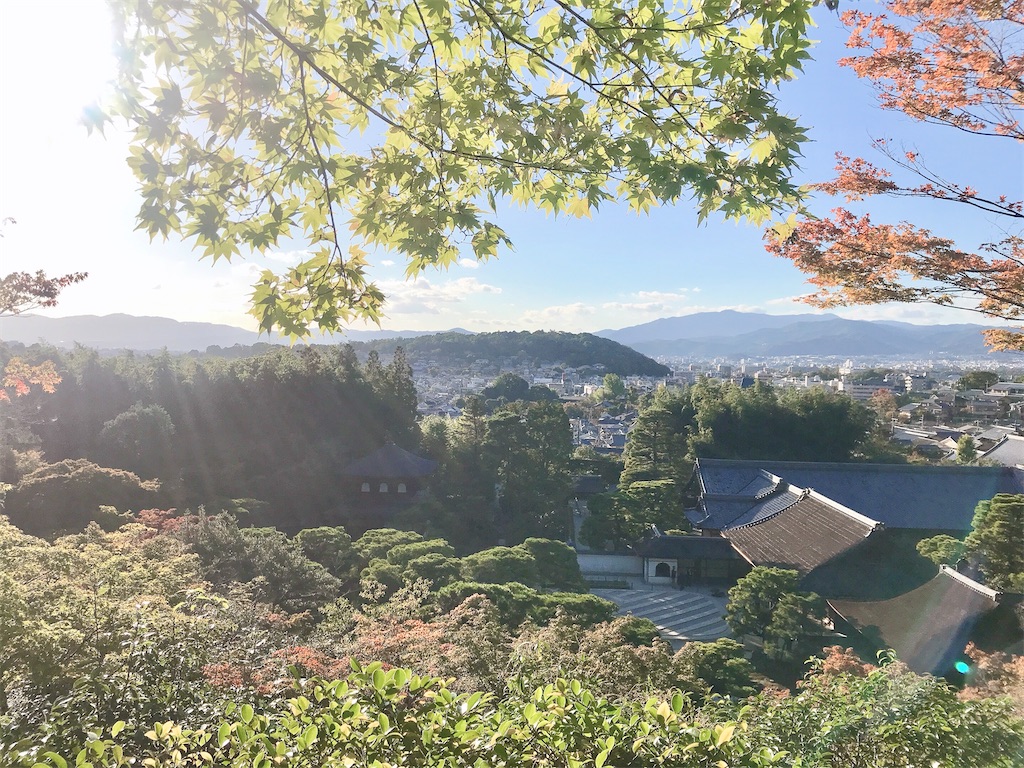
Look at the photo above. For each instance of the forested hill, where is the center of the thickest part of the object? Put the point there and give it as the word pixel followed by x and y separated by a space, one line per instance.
pixel 573 350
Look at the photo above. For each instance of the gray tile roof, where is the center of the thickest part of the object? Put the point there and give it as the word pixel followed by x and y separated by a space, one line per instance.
pixel 803 537
pixel 719 513
pixel 686 547
pixel 928 626
pixel 1009 451
pixel 390 462
pixel 898 495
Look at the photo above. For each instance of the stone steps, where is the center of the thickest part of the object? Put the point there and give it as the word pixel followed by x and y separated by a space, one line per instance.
pixel 679 615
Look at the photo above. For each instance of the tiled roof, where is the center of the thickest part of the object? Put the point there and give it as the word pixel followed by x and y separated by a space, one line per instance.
pixel 1009 451
pixel 725 512
pixel 761 483
pixel 898 495
pixel 687 547
pixel 803 537
pixel 390 462
pixel 996 433
pixel 928 626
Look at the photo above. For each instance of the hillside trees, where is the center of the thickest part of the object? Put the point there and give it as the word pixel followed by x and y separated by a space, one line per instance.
pixel 558 105
pixel 957 65
pixel 276 426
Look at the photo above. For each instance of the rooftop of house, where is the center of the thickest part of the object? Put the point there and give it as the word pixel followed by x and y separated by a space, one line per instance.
pixel 390 462
pixel 939 498
pixel 721 512
pixel 1009 451
pixel 928 626
pixel 803 536
pixel 686 548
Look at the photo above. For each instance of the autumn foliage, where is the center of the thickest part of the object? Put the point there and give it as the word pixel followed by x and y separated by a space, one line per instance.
pixel 19 376
pixel 954 63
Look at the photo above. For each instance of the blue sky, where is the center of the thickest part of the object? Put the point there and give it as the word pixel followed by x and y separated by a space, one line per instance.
pixel 74 201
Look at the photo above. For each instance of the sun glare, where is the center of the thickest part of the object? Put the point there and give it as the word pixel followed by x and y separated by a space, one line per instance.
pixel 57 65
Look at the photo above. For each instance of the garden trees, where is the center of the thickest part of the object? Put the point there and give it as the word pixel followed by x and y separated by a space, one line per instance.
pixel 140 440
pixel 66 496
pixel 942 549
pixel 626 516
pixel 767 603
pixel 242 112
pixel 527 448
pixel 656 448
pixel 731 422
pixel 955 64
pixel 753 599
pixel 997 540
pixel 966 452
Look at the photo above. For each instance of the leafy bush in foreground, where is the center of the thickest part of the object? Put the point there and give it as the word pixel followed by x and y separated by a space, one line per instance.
pixel 886 718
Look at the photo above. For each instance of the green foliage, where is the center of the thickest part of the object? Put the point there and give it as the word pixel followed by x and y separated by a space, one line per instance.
pixel 612 387
pixel 517 603
pixel 507 387
pixel 500 565
pixel 436 568
pixel 624 517
pixel 721 420
pixel 977 380
pixel 997 540
pixel 402 554
pixel 754 598
pixel 795 630
pixel 377 542
pixel 758 423
pixel 139 440
pixel 888 718
pixel 941 549
pixel 556 566
pixel 656 448
pixel 718 666
pixel 520 348
pixel 66 496
pixel 322 408
pixel 527 448
pixel 467 107
pixel 966 452
pixel 393 717
pixel 273 565
pixel 332 547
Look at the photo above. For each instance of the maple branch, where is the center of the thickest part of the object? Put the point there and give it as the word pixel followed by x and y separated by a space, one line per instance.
pixel 302 56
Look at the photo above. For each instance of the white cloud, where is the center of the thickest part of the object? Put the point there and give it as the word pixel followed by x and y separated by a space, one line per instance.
pixel 558 317
pixel 670 296
pixel 469 263
pixel 424 297
pixel 919 314
pixel 644 307
pixel 387 262
pixel 291 258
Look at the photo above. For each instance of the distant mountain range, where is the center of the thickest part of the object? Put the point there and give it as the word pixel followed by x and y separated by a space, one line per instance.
pixel 748 334
pixel 148 334
pixel 705 334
